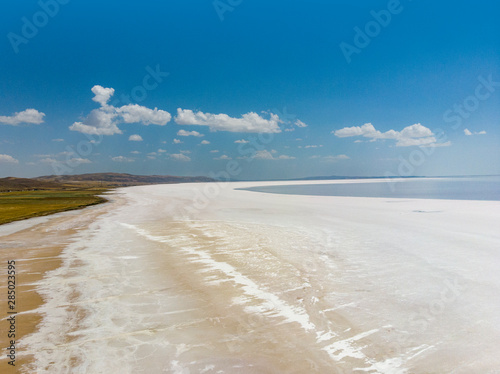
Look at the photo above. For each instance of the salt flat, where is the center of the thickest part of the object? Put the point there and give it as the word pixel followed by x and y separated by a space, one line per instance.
pixel 203 278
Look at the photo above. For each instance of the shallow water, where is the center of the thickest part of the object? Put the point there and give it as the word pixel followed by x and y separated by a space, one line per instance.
pixel 477 188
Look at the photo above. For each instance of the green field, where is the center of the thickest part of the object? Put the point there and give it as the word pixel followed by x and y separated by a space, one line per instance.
pixel 20 205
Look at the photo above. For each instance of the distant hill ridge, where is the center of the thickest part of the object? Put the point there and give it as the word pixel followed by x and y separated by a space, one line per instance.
pixel 92 180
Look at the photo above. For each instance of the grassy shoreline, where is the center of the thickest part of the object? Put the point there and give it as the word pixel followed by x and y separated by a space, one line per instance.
pixel 21 205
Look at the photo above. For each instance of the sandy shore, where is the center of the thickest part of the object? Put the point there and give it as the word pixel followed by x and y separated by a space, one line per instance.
pixel 198 278
pixel 36 246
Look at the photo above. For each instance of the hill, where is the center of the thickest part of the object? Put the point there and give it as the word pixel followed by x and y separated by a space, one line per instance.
pixel 119 179
pixel 23 184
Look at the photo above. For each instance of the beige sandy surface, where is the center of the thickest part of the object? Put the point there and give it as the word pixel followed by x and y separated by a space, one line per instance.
pixel 35 245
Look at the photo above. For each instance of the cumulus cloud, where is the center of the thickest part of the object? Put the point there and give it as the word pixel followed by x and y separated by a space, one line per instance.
pixel 336 158
pixel 242 141
pixel 135 138
pixel 266 155
pixel 469 133
pixel 105 120
pixel 414 135
pixel 249 122
pixel 445 144
pixel 102 95
pixel 177 141
pixel 78 160
pixel 189 133
pixel 180 157
pixel 122 159
pixel 133 113
pixel 223 157
pixel 162 150
pixel 8 159
pixel 299 123
pixel 48 160
pixel 205 142
pixel 32 116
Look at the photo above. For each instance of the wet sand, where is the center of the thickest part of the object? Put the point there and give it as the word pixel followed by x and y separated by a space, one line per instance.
pixel 36 246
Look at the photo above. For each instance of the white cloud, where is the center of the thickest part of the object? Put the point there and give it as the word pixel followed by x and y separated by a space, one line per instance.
pixel 242 141
pixel 223 157
pixel 249 122
pixel 8 159
pixel 102 95
pixel 78 160
pixel 414 135
pixel 266 155
pixel 105 120
pixel 205 142
pixel 122 159
pixel 32 116
pixel 135 152
pixel 57 140
pixel 189 133
pixel 186 152
pixel 408 142
pixel 180 157
pixel 48 160
pixel 336 158
pixel 214 151
pixel 445 144
pixel 177 141
pixel 134 113
pixel 299 123
pixel 263 155
pixel 135 138
pixel 469 133
pixel 313 146
pixel 162 151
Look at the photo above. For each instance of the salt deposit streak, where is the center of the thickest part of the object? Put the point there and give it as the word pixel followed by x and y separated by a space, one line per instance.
pixel 175 279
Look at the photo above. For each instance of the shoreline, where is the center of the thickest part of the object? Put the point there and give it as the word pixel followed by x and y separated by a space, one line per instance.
pixel 37 248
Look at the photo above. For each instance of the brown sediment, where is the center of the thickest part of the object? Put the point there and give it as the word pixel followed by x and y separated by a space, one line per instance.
pixel 36 251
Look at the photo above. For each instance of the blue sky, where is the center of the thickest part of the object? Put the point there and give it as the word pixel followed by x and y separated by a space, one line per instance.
pixel 277 89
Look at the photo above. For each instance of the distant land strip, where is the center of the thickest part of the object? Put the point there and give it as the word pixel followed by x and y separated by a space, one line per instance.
pixel 23 198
